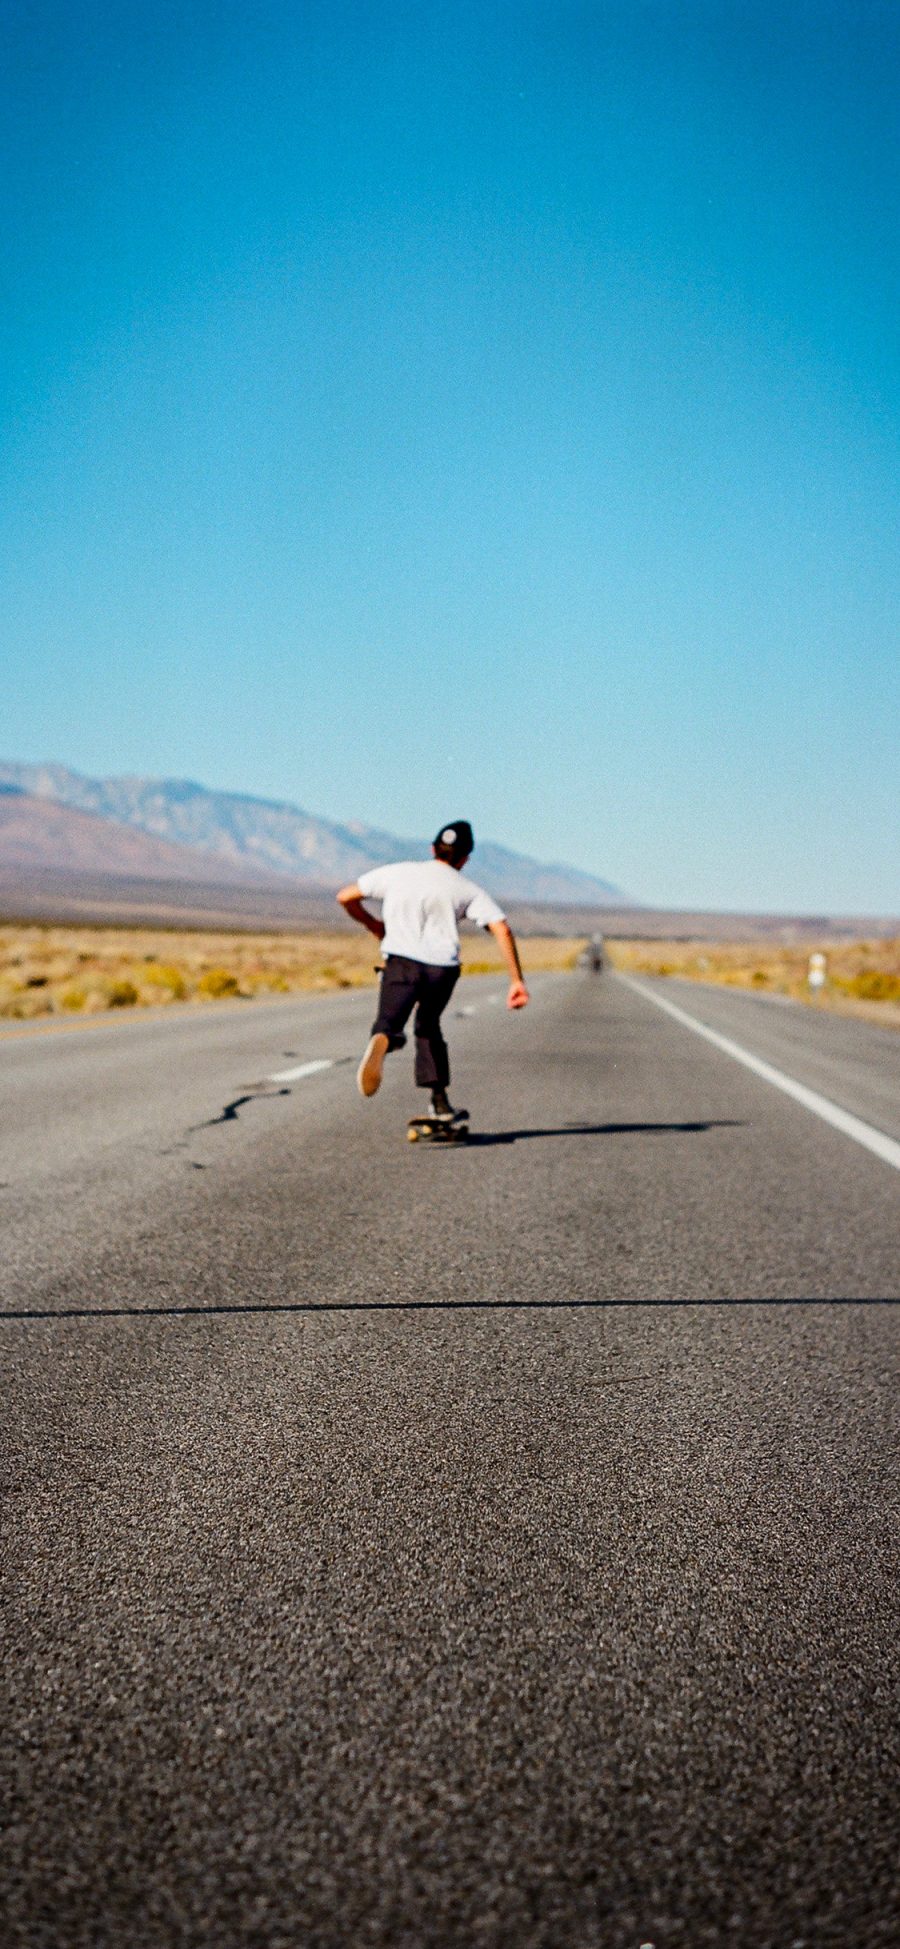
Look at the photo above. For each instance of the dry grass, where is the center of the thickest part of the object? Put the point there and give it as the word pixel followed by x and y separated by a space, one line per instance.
pixel 81 970
pixel 862 977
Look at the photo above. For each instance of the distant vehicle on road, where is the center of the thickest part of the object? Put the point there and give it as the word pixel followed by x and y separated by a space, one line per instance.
pixel 593 956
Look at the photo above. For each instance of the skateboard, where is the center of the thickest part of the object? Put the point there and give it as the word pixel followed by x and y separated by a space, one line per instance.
pixel 437 1130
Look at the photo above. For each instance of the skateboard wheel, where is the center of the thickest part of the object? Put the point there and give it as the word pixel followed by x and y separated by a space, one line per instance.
pixel 412 1136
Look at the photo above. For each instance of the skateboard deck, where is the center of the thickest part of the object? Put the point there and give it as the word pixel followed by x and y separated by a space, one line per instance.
pixel 438 1130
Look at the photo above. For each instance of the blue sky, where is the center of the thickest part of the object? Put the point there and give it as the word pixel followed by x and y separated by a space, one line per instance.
pixel 421 409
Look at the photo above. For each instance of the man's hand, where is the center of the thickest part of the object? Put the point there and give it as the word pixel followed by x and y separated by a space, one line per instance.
pixel 518 996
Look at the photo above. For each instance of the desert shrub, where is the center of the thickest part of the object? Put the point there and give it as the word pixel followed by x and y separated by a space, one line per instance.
pixel 871 985
pixel 759 978
pixel 21 1007
pixel 121 994
pixel 216 982
pixel 168 979
pixel 73 998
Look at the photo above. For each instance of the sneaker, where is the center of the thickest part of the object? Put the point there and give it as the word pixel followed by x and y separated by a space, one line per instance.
pixel 369 1073
pixel 440 1107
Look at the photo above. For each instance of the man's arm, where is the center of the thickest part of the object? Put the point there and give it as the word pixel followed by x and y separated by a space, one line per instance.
pixel 506 940
pixel 351 900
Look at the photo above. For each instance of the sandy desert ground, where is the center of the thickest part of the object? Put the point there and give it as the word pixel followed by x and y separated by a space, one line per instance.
pixel 862 978
pixel 82 970
pixel 73 971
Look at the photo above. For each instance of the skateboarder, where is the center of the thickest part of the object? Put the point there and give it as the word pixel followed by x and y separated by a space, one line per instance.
pixel 423 902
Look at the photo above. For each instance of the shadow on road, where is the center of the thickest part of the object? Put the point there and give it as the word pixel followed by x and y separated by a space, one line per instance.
pixel 601 1130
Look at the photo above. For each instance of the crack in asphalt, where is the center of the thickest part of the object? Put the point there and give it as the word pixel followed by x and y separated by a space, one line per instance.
pixel 230 1112
pixel 254 1092
pixel 251 1093
pixel 402 1306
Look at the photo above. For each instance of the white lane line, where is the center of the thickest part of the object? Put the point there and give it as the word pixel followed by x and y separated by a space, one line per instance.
pixel 862 1133
pixel 294 1075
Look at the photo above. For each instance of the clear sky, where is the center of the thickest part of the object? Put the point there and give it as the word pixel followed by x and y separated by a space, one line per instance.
pixel 425 409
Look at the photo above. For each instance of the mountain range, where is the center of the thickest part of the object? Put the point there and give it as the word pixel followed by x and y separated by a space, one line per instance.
pixel 173 828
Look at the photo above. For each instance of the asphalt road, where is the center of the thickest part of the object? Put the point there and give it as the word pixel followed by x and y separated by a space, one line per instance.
pixel 492 1546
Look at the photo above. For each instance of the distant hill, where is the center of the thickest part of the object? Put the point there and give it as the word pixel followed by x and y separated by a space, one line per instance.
pixel 253 836
pixel 37 835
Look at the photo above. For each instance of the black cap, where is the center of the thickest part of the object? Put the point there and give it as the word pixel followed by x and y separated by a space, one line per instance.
pixel 456 840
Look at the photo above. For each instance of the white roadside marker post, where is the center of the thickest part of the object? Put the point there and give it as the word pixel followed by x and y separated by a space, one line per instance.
pixel 817 973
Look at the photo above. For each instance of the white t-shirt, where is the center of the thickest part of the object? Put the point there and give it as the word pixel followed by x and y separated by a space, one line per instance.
pixel 423 903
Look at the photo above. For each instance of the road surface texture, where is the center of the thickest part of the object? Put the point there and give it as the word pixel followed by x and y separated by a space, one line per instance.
pixel 418 1547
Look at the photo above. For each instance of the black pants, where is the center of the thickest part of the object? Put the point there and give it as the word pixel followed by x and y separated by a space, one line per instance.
pixel 406 985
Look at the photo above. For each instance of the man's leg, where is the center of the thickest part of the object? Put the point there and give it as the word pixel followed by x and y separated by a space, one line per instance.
pixel 399 987
pixel 436 986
